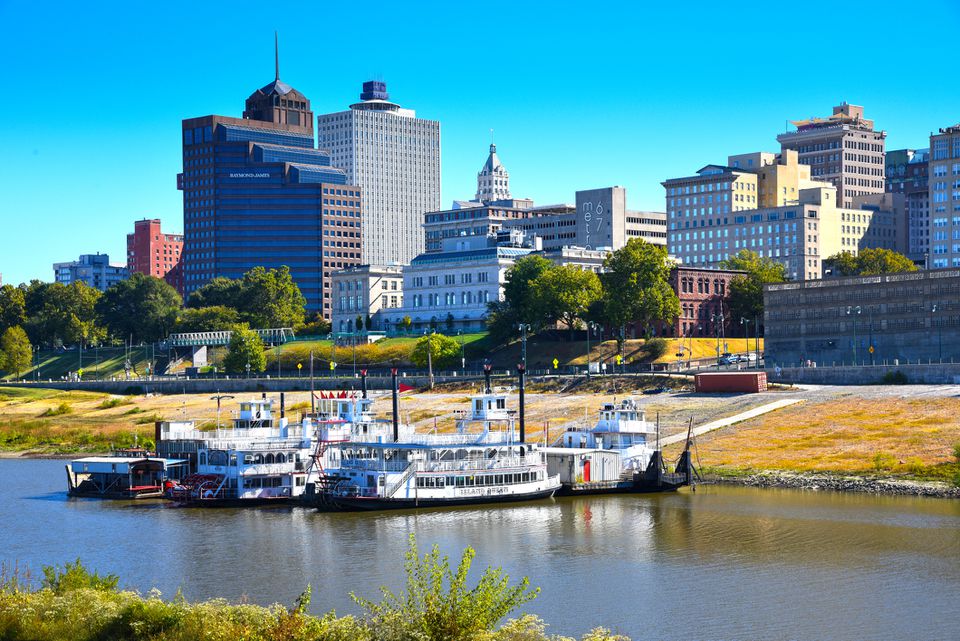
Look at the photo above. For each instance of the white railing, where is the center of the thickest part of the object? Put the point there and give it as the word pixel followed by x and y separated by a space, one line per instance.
pixel 260 469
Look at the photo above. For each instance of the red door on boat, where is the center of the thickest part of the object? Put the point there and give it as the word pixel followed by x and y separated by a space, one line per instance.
pixel 586 471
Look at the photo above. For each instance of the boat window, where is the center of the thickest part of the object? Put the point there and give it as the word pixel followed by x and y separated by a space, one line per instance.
pixel 501 403
pixel 281 458
pixel 247 459
pixel 258 458
pixel 499 479
pixel 203 458
pixel 460 481
pixel 233 460
pixel 440 480
pixel 269 458
pixel 479 405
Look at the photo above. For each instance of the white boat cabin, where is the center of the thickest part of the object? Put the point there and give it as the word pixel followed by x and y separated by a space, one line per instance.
pixel 621 427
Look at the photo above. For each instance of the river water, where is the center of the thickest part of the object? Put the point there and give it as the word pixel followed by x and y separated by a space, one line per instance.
pixel 720 563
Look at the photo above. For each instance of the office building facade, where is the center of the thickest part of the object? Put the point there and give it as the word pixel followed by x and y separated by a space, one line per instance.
pixel 944 197
pixel 908 174
pixel 154 253
pixel 905 317
pixel 93 270
pixel 365 291
pixel 718 212
pixel 395 158
pixel 843 149
pixel 257 192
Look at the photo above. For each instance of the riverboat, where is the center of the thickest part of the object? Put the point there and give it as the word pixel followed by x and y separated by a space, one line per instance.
pixel 442 470
pixel 260 460
pixel 130 473
pixel 619 454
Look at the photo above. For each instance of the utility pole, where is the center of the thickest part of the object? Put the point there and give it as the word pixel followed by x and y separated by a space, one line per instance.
pixel 430 358
pixel 312 407
pixel 524 328
pixel 854 312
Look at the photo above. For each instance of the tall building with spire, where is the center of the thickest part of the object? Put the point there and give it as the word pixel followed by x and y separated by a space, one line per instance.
pixel 395 158
pixel 257 192
pixel 493 181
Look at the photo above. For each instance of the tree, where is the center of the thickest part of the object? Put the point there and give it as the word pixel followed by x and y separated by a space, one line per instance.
pixel 207 319
pixel 746 291
pixel 219 292
pixel 316 326
pixel 445 351
pixel 16 352
pixel 518 289
pixel 449 322
pixel 359 323
pixel 869 262
pixel 58 313
pixel 142 307
pixel 270 298
pixel 13 307
pixel 245 347
pixel 636 286
pixel 566 293
pixel 406 323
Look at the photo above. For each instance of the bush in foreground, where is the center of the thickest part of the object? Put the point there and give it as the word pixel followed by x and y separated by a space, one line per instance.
pixel 75 604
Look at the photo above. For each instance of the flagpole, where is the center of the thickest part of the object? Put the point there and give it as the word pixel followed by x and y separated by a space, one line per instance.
pixel 313 409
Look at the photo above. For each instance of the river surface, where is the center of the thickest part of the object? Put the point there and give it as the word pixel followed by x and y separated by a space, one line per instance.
pixel 720 563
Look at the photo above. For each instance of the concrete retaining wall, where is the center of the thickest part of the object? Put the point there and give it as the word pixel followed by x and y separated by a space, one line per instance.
pixel 933 374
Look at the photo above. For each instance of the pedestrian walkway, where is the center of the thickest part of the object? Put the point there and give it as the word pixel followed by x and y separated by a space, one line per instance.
pixel 730 420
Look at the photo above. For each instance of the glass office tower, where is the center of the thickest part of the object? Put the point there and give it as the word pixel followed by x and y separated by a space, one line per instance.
pixel 256 191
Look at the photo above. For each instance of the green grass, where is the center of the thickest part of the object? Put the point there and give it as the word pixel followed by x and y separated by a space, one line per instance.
pixel 116 401
pixel 59 410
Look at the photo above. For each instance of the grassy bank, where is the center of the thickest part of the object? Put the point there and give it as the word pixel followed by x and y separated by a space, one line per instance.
pixel 900 437
pixel 72 603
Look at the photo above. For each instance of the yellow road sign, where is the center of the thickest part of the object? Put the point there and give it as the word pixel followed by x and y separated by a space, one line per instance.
pixel 871 349
pixel 555 363
pixel 299 365
pixel 332 365
pixel 619 359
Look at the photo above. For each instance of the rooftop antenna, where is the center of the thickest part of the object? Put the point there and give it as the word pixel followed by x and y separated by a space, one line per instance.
pixel 276 54
pixel 491 136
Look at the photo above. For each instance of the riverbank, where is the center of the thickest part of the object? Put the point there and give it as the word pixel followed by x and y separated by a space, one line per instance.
pixel 818 482
pixel 75 603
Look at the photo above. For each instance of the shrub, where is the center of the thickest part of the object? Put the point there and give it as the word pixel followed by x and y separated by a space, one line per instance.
pixel 656 347
pixel 112 402
pixel 894 378
pixel 74 576
pixel 914 465
pixel 956 452
pixel 59 410
pixel 133 410
pixel 883 461
pixel 431 611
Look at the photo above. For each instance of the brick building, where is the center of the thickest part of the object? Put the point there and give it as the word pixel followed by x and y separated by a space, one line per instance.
pixel 154 253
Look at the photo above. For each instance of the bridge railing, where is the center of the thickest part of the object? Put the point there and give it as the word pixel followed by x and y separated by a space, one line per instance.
pixel 209 339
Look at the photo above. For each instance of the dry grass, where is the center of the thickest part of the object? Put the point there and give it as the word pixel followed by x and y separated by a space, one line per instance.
pixel 845 435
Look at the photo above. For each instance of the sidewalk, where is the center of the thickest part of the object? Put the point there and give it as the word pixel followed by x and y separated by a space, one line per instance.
pixel 730 420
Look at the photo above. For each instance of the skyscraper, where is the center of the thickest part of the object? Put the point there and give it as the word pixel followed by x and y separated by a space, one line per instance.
pixel 842 149
pixel 395 158
pixel 256 191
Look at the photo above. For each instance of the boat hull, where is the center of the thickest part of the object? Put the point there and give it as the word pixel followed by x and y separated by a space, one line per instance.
pixel 357 503
pixel 253 502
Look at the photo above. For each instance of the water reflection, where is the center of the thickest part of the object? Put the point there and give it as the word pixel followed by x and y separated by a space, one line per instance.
pixel 732 563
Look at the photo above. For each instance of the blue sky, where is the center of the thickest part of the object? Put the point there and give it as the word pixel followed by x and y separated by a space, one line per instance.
pixel 580 95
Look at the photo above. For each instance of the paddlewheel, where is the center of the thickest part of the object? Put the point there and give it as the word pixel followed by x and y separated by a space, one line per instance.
pixel 195 487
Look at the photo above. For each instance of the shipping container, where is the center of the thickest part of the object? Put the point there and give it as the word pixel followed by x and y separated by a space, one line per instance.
pixel 749 382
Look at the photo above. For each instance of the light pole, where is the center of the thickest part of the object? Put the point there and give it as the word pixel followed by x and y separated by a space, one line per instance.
pixel 717 320
pixel 933 310
pixel 854 312
pixel 219 397
pixel 463 360
pixel 247 367
pixel 590 327
pixel 523 328
pixel 746 322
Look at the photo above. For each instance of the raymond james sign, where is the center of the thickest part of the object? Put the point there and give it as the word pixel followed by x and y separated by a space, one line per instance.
pixel 262 174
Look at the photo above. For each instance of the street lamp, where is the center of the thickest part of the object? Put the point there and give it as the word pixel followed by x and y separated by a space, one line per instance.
pixel 463 360
pixel 523 328
pixel 717 320
pixel 746 323
pixel 219 397
pixel 247 367
pixel 853 312
pixel 590 327
pixel 933 310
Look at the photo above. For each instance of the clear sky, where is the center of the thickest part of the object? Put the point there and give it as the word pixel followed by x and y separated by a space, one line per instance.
pixel 580 95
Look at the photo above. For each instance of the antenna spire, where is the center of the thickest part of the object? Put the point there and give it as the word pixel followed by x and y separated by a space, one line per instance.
pixel 276 54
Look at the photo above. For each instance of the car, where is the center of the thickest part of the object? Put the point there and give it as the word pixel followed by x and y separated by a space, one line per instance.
pixel 727 359
pixel 660 389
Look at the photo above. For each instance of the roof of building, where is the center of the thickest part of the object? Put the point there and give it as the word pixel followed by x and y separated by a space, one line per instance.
pixel 493 161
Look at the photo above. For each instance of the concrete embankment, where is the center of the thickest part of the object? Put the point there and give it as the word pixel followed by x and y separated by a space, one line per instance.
pixel 843 483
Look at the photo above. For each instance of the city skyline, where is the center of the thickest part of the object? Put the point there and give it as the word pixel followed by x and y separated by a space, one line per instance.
pixel 567 113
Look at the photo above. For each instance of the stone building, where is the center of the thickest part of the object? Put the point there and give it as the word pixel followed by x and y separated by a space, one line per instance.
pixel 905 317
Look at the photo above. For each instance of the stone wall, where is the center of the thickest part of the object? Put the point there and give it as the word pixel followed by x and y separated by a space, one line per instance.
pixel 933 374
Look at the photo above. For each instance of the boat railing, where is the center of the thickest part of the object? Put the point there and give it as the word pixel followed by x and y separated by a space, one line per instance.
pixel 261 469
pixel 400 482
pixel 366 464
pixel 484 438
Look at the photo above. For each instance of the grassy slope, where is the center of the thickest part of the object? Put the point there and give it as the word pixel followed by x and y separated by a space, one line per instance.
pixel 911 436
pixel 107 362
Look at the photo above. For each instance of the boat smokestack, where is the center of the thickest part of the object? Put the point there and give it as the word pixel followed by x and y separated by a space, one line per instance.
pixel 486 378
pixel 363 383
pixel 396 405
pixel 521 372
pixel 283 407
